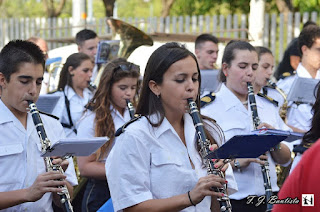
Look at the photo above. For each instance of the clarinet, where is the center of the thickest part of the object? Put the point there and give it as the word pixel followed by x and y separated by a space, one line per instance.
pixel 91 86
pixel 45 146
pixel 130 108
pixel 225 204
pixel 265 167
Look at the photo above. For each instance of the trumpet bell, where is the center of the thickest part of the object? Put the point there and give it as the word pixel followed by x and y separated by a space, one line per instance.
pixel 130 37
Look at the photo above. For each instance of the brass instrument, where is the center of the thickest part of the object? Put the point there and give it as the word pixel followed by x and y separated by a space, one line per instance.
pixel 265 167
pixel 225 204
pixel 45 146
pixel 284 108
pixel 282 172
pixel 53 67
pixel 130 38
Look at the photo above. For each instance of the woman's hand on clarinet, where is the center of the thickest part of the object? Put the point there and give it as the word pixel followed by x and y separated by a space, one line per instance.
pixel 64 163
pixel 218 163
pixel 265 125
pixel 46 182
pixel 221 164
pixel 244 162
pixel 204 188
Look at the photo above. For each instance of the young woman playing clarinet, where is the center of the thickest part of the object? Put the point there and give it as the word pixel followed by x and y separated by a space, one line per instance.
pixel 155 163
pixel 106 112
pixel 233 112
pixel 73 91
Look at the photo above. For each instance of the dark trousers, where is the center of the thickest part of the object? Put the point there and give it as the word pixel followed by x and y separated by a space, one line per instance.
pixel 96 194
pixel 250 204
pixel 242 206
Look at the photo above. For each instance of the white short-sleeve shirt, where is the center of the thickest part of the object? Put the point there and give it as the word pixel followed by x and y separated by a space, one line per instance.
pixel 86 127
pixel 77 104
pixel 155 164
pixel 20 156
pixel 235 119
pixel 298 116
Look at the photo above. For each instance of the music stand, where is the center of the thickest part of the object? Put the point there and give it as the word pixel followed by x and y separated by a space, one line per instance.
pixel 47 102
pixel 302 90
pixel 209 80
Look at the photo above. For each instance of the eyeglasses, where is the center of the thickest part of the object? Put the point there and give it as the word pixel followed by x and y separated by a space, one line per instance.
pixel 127 67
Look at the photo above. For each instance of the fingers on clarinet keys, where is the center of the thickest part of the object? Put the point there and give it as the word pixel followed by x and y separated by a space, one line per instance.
pixel 64 163
pixel 207 186
pixel 45 182
pixel 213 147
pixel 221 164
pixel 213 183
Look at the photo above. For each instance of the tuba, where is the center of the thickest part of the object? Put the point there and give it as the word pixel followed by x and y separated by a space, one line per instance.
pixel 130 38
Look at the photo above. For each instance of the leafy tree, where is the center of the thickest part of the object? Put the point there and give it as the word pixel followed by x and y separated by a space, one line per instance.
pixel 109 5
pixel 306 6
pixel 31 8
pixel 53 8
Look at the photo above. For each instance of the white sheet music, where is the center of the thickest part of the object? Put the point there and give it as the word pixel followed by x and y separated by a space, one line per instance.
pixel 47 102
pixel 302 90
pixel 76 146
pixel 292 136
pixel 209 80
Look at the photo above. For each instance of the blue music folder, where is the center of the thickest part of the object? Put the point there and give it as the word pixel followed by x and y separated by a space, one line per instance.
pixel 246 146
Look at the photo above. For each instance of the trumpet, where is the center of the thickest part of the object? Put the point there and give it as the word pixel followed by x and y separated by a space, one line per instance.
pixel 265 167
pixel 45 146
pixel 284 108
pixel 225 204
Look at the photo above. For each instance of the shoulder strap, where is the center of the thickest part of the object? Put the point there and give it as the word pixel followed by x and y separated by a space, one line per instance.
pixel 265 90
pixel 54 91
pixel 122 129
pixel 287 74
pixel 302 147
pixel 276 103
pixel 207 99
pixel 48 114
pixel 70 125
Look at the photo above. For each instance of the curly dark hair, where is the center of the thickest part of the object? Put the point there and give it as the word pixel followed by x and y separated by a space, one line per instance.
pixel 308 36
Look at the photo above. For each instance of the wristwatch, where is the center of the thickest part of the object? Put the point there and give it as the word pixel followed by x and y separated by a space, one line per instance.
pixel 237 165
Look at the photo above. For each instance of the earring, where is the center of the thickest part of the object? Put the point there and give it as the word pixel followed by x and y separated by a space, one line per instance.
pixel 71 75
pixel 226 74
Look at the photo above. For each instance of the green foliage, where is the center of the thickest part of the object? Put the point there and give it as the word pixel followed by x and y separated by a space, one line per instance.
pixel 209 7
pixel 147 8
pixel 98 9
pixel 21 8
pixel 306 5
pixel 139 8
pixel 29 8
